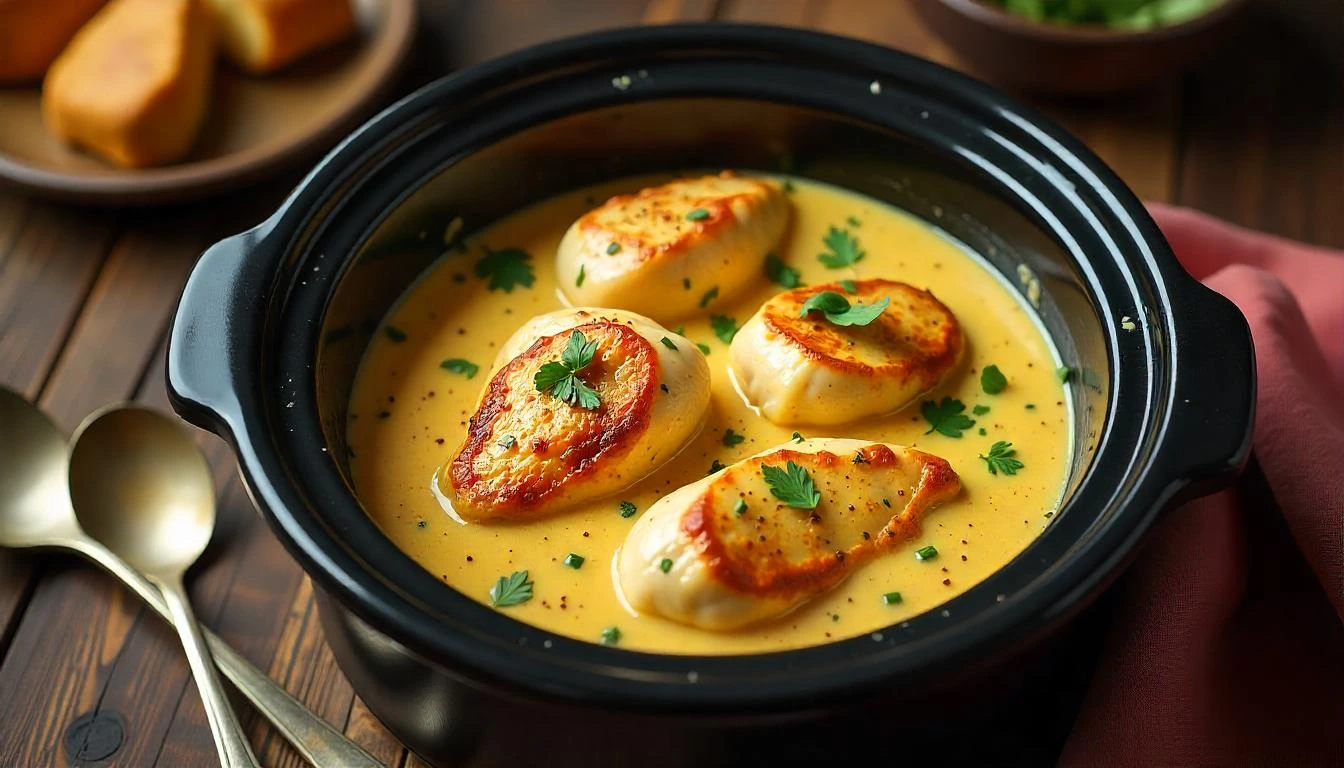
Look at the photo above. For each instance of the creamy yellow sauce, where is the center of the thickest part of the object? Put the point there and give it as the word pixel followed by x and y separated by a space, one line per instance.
pixel 408 415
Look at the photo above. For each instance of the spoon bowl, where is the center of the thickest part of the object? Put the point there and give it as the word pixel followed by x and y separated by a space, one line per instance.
pixel 34 497
pixel 141 486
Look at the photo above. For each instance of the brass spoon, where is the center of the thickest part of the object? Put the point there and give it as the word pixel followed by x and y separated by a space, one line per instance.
pixel 141 487
pixel 35 511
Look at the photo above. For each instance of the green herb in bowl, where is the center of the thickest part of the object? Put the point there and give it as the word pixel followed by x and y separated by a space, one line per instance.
pixel 1117 14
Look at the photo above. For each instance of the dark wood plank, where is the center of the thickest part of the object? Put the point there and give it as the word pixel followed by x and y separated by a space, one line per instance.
pixel 1264 134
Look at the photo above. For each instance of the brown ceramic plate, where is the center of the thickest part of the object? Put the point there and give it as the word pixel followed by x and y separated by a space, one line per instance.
pixel 256 125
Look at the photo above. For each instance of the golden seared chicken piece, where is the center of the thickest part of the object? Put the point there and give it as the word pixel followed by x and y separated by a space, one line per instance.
pixel 672 250
pixel 807 368
pixel 761 537
pixel 583 402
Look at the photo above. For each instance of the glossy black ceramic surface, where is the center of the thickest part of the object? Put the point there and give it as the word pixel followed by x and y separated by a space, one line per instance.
pixel 273 322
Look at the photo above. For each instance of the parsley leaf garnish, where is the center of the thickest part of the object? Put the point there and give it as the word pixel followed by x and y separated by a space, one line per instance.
pixel 844 249
pixel 560 378
pixel 731 438
pixel 628 509
pixel 710 295
pixel 849 286
pixel 458 365
pixel 724 327
pixel 791 485
pixel 513 589
pixel 699 214
pixel 992 380
pixel 611 635
pixel 739 506
pixel 838 310
pixel 716 466
pixel 704 348
pixel 980 410
pixel 395 334
pixel 1000 459
pixel 613 249
pixel 946 417
pixel 506 269
pixel 781 274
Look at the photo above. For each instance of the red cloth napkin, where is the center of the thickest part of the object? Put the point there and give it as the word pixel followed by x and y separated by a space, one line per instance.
pixel 1227 647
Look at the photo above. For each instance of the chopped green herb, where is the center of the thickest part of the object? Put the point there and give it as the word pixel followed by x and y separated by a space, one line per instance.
pixel 458 365
pixel 506 269
pixel 992 380
pixel 731 438
pixel 792 485
pixel 699 214
pixel 980 410
pixel 781 274
pixel 1064 373
pixel 853 222
pixel 628 509
pixel 574 561
pixel 797 437
pixel 945 417
pixel 680 330
pixel 892 598
pixel 513 589
pixel 1000 459
pixel 421 524
pixel 561 378
pixel 983 432
pixel 788 186
pixel 926 553
pixel 850 286
pixel 838 311
pixel 704 348
pixel 686 283
pixel 716 466
pixel 613 249
pixel 710 295
pixel 859 458
pixel 665 565
pixel 843 249
pixel 666 342
pixel 611 635
pixel 739 506
pixel 578 281
pixel 395 334
pixel 506 442
pixel 1030 406
pixel 724 327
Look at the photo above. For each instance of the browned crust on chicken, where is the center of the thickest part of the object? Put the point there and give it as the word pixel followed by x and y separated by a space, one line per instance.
pixel 653 206
pixel 566 442
pixel 922 334
pixel 758 566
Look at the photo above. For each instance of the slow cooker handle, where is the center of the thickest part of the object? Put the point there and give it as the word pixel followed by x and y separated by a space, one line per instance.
pixel 216 330
pixel 1208 437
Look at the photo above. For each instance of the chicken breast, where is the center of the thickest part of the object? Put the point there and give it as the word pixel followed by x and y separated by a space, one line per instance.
pixel 673 250
pixel 639 394
pixel 725 552
pixel 804 369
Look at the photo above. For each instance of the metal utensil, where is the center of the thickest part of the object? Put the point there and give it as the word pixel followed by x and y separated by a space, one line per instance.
pixel 35 511
pixel 141 486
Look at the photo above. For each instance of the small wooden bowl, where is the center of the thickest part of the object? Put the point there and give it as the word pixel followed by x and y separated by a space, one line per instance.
pixel 1079 59
pixel 257 126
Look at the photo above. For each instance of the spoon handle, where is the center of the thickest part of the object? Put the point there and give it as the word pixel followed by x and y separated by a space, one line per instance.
pixel 319 743
pixel 234 751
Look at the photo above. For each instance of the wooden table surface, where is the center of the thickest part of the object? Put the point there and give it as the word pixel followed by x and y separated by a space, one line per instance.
pixel 91 677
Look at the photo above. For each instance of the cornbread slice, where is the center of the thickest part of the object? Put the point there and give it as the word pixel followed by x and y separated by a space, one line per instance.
pixel 261 36
pixel 33 32
pixel 134 83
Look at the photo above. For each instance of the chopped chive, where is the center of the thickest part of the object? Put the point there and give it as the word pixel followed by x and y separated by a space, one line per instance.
pixel 710 295
pixel 686 283
pixel 980 410
pixel 668 343
pixel 926 553
pixel 628 509
pixel 716 466
pixel 1031 406
pixel 613 249
pixel 853 222
pixel 983 432
pixel 1064 373
pixel 892 598
pixel 578 281
pixel 731 438
pixel 740 506
pixel 699 214
pixel 395 334
pixel 665 565
pixel 611 635
pixel 859 458
pixel 574 561
pixel 788 186
pixel 704 348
